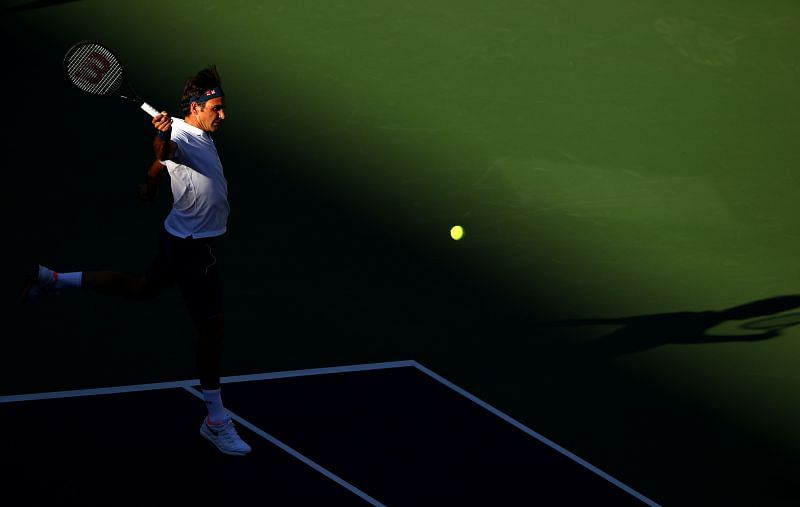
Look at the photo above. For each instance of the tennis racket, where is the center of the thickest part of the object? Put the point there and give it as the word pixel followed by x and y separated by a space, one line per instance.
pixel 778 322
pixel 93 68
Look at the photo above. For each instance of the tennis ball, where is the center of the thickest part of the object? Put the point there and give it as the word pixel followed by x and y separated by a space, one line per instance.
pixel 456 232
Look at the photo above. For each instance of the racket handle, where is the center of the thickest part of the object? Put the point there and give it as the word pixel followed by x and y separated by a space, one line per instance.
pixel 150 109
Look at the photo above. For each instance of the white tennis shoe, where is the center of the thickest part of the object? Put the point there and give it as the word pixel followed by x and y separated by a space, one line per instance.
pixel 224 436
pixel 37 284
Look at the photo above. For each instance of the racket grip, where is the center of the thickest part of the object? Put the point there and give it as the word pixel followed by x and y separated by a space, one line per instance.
pixel 150 109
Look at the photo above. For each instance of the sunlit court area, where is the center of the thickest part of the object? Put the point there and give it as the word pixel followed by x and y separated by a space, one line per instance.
pixel 510 253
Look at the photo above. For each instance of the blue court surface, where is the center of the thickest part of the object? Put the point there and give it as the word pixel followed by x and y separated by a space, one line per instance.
pixel 376 434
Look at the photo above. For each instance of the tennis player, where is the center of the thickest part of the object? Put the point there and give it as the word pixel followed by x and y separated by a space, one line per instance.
pixel 186 256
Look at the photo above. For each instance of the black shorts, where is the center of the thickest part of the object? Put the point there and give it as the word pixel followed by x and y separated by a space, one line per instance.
pixel 192 265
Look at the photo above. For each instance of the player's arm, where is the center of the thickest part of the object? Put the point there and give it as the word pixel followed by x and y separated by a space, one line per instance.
pixel 149 189
pixel 163 147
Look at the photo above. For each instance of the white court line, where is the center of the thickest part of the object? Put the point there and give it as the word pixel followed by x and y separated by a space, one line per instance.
pixel 188 383
pixel 319 468
pixel 77 393
pixel 188 386
pixel 319 371
pixel 534 434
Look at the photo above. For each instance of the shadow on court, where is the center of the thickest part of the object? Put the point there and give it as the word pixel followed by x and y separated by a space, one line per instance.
pixel 644 332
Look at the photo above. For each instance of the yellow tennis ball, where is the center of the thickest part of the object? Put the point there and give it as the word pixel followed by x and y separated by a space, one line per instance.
pixel 457 232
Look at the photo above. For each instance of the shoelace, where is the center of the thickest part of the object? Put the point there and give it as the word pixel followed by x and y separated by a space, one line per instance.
pixel 228 432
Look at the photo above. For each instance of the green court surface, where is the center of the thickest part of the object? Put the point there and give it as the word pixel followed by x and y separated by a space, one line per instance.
pixel 625 172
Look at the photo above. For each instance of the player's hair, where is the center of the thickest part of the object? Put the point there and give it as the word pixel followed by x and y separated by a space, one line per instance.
pixel 196 85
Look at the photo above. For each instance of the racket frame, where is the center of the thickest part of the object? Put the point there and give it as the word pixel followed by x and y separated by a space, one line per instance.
pixel 123 89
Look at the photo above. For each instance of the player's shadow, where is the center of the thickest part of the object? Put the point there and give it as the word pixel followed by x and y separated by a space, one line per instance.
pixel 36 4
pixel 644 332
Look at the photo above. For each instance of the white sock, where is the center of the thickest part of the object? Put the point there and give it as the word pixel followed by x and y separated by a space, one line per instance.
pixel 216 412
pixel 59 280
pixel 45 275
pixel 69 280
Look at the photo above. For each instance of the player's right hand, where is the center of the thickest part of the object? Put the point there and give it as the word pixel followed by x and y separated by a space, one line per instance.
pixel 162 122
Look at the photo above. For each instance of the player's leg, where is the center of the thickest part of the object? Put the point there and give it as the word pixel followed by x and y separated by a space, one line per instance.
pixel 43 279
pixel 113 283
pixel 159 276
pixel 210 333
pixel 217 426
pixel 201 285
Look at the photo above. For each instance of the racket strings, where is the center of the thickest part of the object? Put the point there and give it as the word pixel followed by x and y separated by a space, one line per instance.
pixel 776 322
pixel 94 69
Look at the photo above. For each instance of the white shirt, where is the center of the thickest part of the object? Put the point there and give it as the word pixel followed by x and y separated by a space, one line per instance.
pixel 199 189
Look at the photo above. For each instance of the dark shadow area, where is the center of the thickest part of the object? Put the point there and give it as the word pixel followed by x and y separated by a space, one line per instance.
pixel 37 4
pixel 314 275
pixel 318 275
pixel 644 332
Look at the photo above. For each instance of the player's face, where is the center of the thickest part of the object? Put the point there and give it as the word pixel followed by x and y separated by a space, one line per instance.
pixel 210 117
